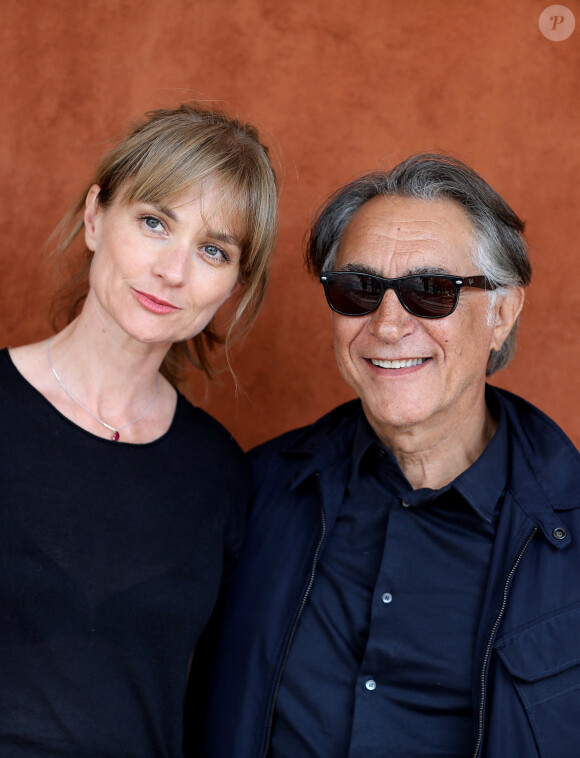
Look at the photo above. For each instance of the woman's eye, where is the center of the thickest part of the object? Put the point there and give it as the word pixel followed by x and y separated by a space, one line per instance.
pixel 213 251
pixel 153 223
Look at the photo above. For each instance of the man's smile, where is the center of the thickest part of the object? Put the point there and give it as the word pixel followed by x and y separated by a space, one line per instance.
pixel 401 363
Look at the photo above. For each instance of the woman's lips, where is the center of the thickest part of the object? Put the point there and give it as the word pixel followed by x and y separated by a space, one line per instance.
pixel 154 304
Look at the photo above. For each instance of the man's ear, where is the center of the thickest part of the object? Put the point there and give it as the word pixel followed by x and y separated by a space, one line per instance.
pixel 92 217
pixel 506 310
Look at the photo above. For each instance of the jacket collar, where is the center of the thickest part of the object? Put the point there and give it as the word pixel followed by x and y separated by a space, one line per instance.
pixel 551 459
pixel 545 468
pixel 326 443
pixel 544 471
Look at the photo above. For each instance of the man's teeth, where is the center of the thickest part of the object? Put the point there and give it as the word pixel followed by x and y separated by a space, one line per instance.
pixel 397 364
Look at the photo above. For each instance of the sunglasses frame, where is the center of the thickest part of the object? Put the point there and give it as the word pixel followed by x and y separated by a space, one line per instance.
pixel 479 282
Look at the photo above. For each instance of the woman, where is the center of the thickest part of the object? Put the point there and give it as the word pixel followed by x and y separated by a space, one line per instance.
pixel 122 504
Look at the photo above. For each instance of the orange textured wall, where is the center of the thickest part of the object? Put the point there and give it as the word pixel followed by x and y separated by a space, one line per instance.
pixel 337 88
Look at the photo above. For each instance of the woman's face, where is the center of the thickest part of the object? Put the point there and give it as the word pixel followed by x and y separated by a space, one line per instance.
pixel 160 271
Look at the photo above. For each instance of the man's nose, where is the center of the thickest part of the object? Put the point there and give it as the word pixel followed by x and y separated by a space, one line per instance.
pixel 390 320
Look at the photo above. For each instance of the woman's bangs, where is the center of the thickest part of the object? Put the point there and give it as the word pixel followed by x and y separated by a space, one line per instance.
pixel 234 202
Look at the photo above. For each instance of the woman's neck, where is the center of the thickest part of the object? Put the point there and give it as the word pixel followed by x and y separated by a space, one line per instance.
pixel 107 367
pixel 99 378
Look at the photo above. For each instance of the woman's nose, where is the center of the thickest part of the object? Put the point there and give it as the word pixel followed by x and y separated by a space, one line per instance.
pixel 173 266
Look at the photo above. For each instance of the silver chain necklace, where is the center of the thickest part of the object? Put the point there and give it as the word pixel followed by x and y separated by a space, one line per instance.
pixel 116 436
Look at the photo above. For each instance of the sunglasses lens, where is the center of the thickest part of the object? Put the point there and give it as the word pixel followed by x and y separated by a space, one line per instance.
pixel 424 296
pixel 428 296
pixel 353 294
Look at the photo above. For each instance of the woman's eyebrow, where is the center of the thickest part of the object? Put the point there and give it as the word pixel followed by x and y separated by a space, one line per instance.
pixel 219 236
pixel 224 237
pixel 165 210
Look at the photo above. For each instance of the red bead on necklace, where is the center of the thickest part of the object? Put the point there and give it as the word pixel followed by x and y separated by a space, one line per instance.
pixel 116 434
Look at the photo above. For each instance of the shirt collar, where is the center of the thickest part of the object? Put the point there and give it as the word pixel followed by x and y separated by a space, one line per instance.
pixel 484 482
pixel 481 485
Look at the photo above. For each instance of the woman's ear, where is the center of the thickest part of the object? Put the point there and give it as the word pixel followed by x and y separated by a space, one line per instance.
pixel 92 217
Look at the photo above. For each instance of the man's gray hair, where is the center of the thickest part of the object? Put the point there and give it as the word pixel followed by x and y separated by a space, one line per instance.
pixel 500 251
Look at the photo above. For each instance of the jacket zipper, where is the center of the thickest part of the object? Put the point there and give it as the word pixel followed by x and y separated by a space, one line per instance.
pixel 491 637
pixel 294 627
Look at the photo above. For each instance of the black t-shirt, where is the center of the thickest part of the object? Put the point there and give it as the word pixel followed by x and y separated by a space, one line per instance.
pixel 111 557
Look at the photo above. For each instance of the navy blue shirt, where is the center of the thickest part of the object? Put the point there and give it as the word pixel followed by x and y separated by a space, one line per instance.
pixel 383 654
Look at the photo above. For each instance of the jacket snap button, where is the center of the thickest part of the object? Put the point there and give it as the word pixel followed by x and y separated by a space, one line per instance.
pixel 559 533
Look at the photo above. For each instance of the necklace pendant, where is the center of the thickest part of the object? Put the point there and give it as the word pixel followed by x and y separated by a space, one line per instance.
pixel 115 437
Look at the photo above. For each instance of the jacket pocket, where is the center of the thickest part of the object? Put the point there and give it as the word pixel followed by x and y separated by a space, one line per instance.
pixel 543 659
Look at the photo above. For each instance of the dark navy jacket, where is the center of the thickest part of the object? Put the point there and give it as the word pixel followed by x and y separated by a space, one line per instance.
pixel 526 672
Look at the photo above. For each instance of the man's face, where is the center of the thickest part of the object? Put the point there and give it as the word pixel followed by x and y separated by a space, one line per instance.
pixel 445 381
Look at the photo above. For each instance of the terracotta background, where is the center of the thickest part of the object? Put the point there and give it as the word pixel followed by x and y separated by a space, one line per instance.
pixel 337 88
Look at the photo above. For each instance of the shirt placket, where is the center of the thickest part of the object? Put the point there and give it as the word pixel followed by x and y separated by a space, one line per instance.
pixel 388 604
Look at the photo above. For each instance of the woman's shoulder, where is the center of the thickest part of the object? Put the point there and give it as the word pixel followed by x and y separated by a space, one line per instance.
pixel 206 443
pixel 7 370
pixel 16 366
pixel 191 419
pixel 27 362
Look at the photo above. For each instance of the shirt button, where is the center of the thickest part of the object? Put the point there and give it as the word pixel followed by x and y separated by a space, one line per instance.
pixel 405 504
pixel 370 684
pixel 387 597
pixel 559 533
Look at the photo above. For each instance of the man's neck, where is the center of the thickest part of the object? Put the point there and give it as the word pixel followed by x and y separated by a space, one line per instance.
pixel 434 457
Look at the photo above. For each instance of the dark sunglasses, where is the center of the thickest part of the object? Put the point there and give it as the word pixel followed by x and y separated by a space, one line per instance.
pixel 351 293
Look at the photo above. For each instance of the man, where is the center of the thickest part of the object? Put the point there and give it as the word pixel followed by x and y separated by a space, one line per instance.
pixel 409 582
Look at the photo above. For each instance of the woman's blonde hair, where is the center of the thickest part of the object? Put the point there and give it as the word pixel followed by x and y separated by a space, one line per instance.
pixel 163 158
